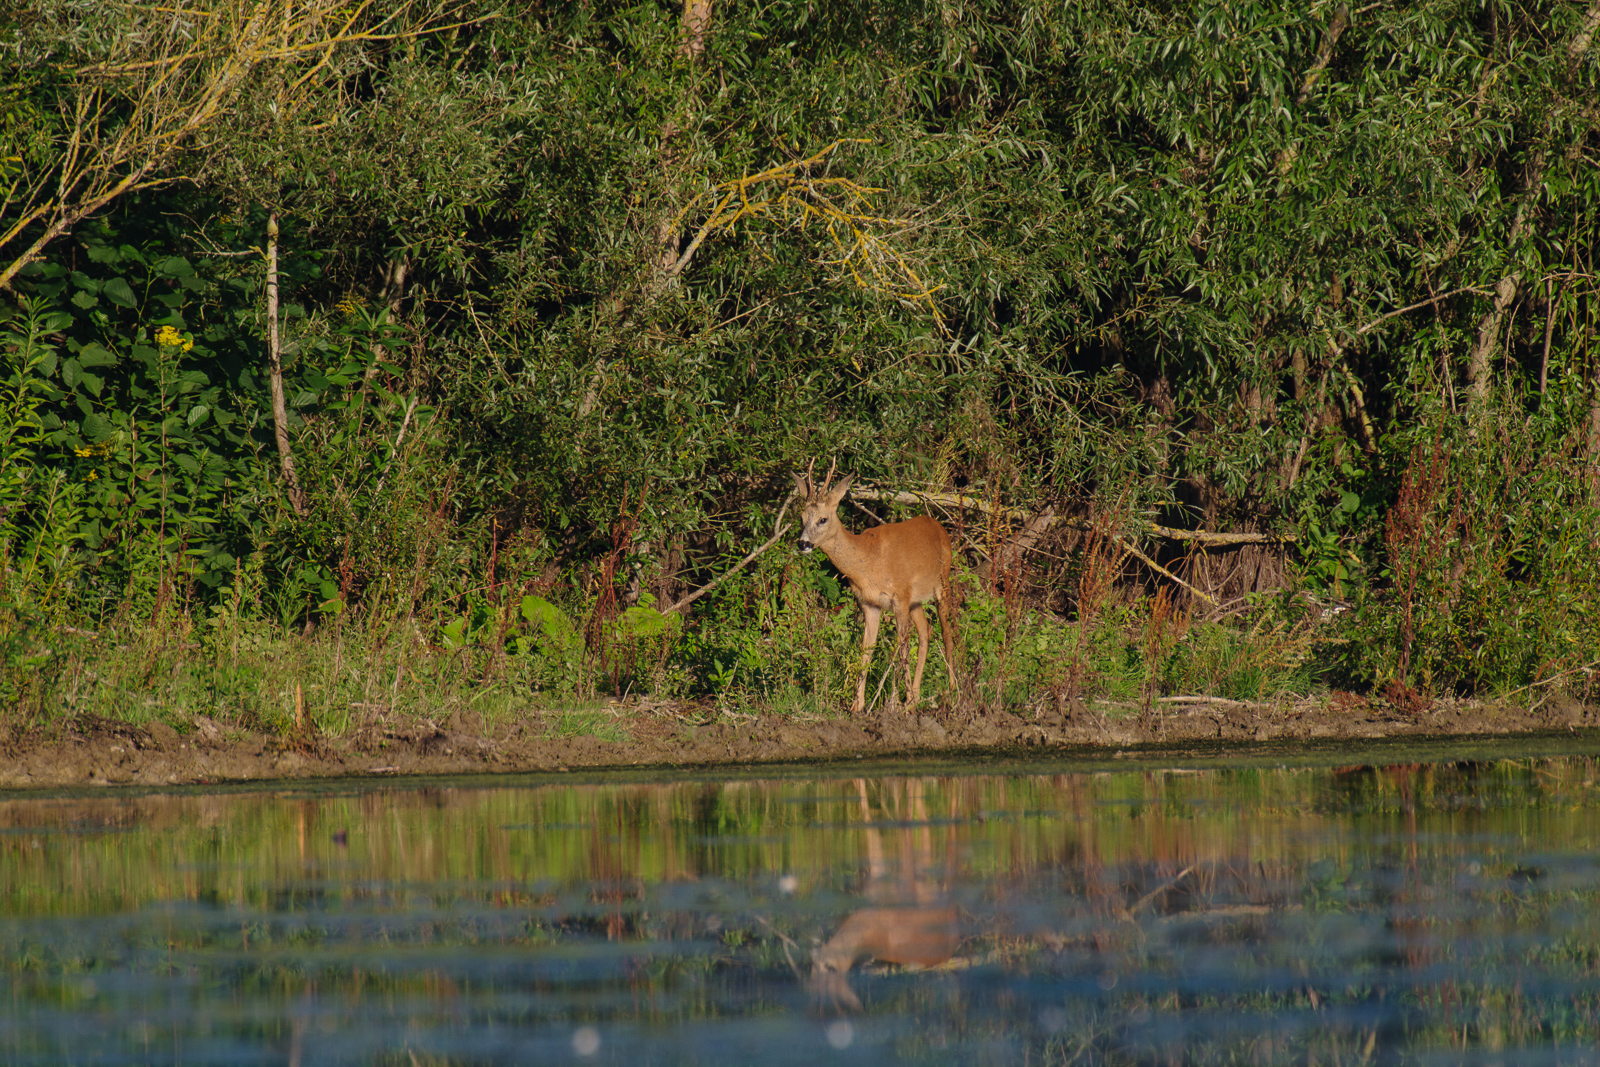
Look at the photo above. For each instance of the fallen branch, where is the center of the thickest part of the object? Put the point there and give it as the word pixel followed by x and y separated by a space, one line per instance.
pixel 960 501
pixel 1159 569
pixel 778 531
pixel 1558 675
pixel 1126 914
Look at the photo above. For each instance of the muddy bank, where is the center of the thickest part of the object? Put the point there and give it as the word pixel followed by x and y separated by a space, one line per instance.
pixel 93 751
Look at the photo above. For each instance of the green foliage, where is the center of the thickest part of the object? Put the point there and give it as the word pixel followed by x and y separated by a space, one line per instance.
pixel 565 300
pixel 1274 657
pixel 596 724
pixel 1493 584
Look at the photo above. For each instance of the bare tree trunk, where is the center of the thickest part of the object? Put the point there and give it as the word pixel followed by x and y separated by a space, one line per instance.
pixel 1549 329
pixel 1505 291
pixel 392 296
pixel 696 21
pixel 280 410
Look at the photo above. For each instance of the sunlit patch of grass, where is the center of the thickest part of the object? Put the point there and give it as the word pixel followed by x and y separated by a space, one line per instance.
pixel 601 725
pixel 1271 657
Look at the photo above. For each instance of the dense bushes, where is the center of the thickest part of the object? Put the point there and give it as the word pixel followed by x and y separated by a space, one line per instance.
pixel 568 294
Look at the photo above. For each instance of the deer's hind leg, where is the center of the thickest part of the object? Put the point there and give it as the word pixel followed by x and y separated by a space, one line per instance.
pixel 920 618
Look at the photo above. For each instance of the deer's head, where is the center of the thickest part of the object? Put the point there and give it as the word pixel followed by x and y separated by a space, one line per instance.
pixel 819 522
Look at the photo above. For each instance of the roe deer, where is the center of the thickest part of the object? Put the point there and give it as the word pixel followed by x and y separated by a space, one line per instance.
pixel 898 567
pixel 910 923
pixel 914 936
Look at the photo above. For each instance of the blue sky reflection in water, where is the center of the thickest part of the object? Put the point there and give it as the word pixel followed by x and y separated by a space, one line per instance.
pixel 1418 913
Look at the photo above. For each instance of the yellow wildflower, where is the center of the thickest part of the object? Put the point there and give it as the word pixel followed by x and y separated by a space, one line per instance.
pixel 171 338
pixel 91 476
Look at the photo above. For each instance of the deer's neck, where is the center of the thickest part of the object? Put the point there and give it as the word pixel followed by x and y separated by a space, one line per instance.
pixel 849 552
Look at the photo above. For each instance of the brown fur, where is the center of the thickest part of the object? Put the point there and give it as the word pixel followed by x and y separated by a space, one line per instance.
pixel 898 567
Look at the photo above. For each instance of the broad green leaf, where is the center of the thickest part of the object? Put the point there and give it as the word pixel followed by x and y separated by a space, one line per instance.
pixel 96 428
pixel 454 634
pixel 96 355
pixel 554 626
pixel 639 622
pixel 118 292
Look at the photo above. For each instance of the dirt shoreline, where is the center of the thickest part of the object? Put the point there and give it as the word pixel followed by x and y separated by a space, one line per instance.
pixel 104 752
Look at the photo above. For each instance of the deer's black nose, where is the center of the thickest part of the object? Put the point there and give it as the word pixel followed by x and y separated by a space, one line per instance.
pixel 806 546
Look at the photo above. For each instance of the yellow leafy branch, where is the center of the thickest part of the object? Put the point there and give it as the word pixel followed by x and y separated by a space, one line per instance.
pixel 788 192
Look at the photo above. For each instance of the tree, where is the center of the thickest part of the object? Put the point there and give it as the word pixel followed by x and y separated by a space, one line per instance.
pixel 137 88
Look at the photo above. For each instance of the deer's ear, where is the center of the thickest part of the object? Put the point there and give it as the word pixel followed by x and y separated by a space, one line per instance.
pixel 839 490
pixel 802 486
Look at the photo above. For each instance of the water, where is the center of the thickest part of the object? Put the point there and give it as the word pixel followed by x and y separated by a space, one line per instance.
pixel 1431 912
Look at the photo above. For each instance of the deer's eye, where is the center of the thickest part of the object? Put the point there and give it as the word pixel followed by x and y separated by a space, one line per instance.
pixel 822 522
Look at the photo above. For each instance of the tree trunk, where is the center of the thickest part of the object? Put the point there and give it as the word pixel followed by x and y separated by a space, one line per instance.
pixel 280 410
pixel 669 263
pixel 392 296
pixel 1505 291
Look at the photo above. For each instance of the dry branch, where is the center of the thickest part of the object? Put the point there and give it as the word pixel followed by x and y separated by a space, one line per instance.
pixel 789 194
pixel 129 117
pixel 961 501
pixel 1034 527
pixel 777 534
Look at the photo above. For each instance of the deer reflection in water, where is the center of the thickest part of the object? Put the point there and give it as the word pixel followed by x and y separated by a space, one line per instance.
pixel 910 923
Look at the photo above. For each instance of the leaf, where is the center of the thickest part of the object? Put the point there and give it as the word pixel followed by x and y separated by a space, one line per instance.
pixel 96 428
pixel 638 622
pixel 96 355
pixel 118 292
pixel 197 414
pixel 84 300
pixel 174 267
pixel 454 634
pixel 187 462
pixel 69 373
pixel 555 627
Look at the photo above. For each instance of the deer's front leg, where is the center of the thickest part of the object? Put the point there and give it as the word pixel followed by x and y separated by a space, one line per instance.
pixel 869 637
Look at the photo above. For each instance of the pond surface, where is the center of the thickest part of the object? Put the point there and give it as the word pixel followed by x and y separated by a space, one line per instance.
pixel 1430 912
